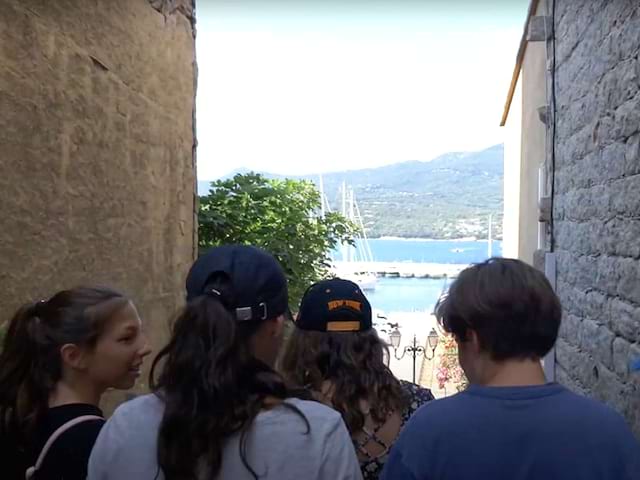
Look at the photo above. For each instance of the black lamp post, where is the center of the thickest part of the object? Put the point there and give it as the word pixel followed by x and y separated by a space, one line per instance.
pixel 414 349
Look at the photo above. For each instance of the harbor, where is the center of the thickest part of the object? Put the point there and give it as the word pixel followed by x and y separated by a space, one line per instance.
pixel 399 269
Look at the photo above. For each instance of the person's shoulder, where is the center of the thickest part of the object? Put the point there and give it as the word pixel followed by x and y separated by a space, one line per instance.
pixel 144 403
pixel 445 412
pixel 314 411
pixel 144 410
pixel 587 412
pixel 81 423
pixel 416 394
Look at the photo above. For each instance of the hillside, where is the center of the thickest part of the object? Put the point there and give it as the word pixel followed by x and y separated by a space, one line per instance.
pixel 451 196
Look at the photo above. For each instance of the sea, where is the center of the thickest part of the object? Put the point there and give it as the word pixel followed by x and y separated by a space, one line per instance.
pixel 419 294
pixel 406 304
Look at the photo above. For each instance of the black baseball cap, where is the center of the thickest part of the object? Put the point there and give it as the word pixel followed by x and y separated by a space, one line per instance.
pixel 257 279
pixel 334 305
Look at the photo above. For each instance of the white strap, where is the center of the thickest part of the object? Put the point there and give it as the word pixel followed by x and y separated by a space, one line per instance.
pixel 54 436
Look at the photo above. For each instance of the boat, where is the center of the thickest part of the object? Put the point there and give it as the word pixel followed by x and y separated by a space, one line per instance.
pixel 353 256
pixel 490 238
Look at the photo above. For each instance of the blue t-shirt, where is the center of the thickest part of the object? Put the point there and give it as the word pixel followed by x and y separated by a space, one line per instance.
pixel 515 433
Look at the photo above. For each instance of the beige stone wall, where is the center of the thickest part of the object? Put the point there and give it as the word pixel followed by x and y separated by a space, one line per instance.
pixel 97 158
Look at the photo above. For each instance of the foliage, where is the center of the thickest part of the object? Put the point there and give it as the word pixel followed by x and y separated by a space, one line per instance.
pixel 280 216
pixel 449 370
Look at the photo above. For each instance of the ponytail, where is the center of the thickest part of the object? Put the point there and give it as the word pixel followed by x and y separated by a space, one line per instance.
pixel 30 361
pixel 211 384
pixel 23 387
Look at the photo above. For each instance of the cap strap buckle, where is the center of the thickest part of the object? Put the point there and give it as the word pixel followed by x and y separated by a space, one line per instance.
pixel 264 310
pixel 244 314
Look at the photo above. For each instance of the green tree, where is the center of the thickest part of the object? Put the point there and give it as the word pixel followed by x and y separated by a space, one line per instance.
pixel 280 216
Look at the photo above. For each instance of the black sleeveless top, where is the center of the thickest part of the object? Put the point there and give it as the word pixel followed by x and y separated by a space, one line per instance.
pixel 67 458
pixel 417 396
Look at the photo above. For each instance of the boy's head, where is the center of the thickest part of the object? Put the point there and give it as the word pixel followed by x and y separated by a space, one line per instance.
pixel 503 308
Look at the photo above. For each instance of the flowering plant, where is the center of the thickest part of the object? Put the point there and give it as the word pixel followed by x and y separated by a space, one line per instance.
pixel 449 370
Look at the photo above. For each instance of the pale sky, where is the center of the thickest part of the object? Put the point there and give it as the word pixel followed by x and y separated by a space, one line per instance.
pixel 302 86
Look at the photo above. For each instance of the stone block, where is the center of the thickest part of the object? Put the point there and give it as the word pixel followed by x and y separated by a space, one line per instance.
pixel 625 320
pixel 627 119
pixel 565 378
pixel 608 275
pixel 632 155
pixel 570 329
pixel 621 357
pixel 629 285
pixel 610 389
pixel 597 340
pixel 579 364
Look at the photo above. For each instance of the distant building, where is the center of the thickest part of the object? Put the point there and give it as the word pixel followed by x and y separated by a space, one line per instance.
pixel 572 185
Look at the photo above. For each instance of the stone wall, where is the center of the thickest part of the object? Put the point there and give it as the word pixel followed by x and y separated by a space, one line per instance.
pixel 97 150
pixel 597 198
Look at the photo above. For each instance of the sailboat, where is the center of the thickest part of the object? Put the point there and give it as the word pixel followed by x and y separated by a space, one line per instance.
pixel 489 239
pixel 366 280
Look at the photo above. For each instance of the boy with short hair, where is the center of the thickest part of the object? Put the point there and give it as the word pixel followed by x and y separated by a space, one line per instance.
pixel 510 423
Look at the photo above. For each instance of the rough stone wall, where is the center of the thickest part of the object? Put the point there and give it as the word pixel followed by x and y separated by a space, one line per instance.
pixel 97 157
pixel 597 199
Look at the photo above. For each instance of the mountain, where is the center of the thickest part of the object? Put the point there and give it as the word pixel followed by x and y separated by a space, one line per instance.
pixel 448 197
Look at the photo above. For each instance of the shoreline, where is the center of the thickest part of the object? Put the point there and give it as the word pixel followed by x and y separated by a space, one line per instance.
pixel 411 239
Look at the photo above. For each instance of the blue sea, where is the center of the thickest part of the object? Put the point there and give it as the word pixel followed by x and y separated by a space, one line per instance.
pixel 429 251
pixel 412 294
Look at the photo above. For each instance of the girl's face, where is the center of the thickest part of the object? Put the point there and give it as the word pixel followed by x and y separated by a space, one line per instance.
pixel 116 359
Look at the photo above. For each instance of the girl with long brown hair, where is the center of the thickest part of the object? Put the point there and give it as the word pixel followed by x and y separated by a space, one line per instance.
pixel 59 356
pixel 336 352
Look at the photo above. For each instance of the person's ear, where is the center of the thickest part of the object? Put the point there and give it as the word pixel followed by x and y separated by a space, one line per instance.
pixel 474 341
pixel 277 328
pixel 73 356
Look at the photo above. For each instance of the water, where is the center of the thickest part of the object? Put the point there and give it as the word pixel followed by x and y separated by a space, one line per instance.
pixel 411 294
pixel 409 302
pixel 428 251
pixel 405 294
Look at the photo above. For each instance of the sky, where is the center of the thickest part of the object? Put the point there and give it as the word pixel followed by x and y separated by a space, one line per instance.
pixel 302 86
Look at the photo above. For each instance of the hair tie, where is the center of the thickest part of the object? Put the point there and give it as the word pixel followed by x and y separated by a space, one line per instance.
pixel 218 295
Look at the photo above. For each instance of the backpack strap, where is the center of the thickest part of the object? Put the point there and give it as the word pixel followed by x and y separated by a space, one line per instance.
pixel 54 436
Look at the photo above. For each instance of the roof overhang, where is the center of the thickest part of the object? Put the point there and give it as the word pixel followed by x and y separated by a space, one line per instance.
pixel 533 7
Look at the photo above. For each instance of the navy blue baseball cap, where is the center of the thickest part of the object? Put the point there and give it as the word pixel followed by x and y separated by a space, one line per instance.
pixel 257 279
pixel 334 305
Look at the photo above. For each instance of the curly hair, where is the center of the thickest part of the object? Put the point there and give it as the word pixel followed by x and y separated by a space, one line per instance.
pixel 354 365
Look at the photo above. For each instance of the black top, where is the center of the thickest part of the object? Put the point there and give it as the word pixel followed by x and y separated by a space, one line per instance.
pixel 67 458
pixel 417 396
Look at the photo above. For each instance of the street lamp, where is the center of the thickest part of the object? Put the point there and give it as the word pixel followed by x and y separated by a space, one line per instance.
pixel 414 349
pixel 394 338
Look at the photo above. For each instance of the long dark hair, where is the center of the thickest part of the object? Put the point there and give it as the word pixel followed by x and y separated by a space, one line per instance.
pixel 30 361
pixel 354 364
pixel 211 384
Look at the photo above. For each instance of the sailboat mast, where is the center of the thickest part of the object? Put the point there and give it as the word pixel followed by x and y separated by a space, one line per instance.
pixel 353 253
pixel 321 185
pixel 490 240
pixel 345 247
